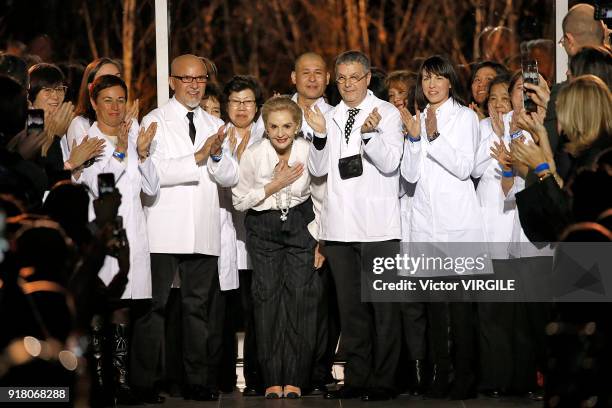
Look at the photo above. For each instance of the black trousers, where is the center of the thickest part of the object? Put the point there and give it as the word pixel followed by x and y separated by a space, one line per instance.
pixel 251 370
pixel 512 335
pixel 370 331
pixel 202 319
pixel 328 329
pixel 286 291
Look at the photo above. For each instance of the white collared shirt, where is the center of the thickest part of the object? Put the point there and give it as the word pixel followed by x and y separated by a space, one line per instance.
pixel 257 169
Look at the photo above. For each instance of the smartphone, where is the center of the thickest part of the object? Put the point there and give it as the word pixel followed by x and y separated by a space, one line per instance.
pixel 106 183
pixel 35 122
pixel 532 76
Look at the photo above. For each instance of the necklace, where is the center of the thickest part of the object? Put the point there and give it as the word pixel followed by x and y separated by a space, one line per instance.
pixel 284 209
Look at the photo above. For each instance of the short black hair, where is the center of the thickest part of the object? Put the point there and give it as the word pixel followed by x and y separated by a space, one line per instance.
pixel 44 75
pixel 240 83
pixel 104 82
pixel 439 65
pixel 595 61
pixel 378 84
pixel 499 69
pixel 213 90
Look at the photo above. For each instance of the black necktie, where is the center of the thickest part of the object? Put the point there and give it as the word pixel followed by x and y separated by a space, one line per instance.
pixel 349 123
pixel 192 130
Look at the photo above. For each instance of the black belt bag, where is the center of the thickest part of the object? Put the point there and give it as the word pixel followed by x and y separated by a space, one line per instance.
pixel 350 166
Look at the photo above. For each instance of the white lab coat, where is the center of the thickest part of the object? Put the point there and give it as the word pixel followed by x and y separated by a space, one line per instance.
pixel 498 212
pixel 131 178
pixel 364 208
pixel 233 255
pixel 444 207
pixel 184 218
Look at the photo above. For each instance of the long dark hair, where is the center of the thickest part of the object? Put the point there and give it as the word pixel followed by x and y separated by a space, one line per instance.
pixel 439 65
pixel 84 107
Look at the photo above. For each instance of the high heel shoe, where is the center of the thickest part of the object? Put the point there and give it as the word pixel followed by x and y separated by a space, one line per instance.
pixel 274 392
pixel 292 392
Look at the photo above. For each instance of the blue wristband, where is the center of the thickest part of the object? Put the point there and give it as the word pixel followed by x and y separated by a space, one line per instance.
pixel 508 173
pixel 119 155
pixel 216 157
pixel 413 139
pixel 541 167
pixel 516 134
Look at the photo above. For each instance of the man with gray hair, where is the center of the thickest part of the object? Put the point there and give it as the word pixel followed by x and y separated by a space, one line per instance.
pixel 358 145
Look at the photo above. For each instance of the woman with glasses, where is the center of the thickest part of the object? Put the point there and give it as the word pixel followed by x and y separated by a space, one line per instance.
pixel 274 189
pixel 47 91
pixel 241 98
pixel 126 156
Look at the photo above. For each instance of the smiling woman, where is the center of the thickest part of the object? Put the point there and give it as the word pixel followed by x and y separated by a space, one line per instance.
pixel 275 189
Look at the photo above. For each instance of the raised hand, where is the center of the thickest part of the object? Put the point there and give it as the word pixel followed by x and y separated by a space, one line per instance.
pixel 145 137
pixel 285 175
pixel 529 154
pixel 122 137
pixel 540 93
pixel 500 153
pixel 431 122
pixel 56 125
pixel 315 119
pixel 132 111
pixel 244 143
pixel 88 149
pixel 231 135
pixel 371 121
pixel 412 125
pixel 474 106
pixel 497 122
pixel 212 144
pixel 532 123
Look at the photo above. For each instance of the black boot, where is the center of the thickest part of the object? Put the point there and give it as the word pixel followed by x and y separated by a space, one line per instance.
pixel 418 380
pixel 99 395
pixel 123 392
pixel 440 384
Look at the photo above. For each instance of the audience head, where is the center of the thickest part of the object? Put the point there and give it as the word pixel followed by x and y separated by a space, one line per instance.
pixel 242 96
pixel 310 76
pixel 437 81
pixel 95 69
pixel 109 98
pixel 400 85
pixel 13 108
pixel 68 204
pixel 584 113
pixel 211 102
pixel 15 68
pixel 73 74
pixel 353 77
pixel 499 95
pixel 283 120
pixel 516 91
pixel 580 29
pixel 482 74
pixel 188 78
pixel 47 88
pixel 592 60
pixel 378 84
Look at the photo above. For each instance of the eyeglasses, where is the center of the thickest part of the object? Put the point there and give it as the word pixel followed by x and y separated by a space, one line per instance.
pixel 189 79
pixel 249 103
pixel 58 90
pixel 562 40
pixel 353 79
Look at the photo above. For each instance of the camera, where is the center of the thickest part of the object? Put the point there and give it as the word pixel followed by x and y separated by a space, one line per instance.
pixel 119 234
pixel 531 76
pixel 35 121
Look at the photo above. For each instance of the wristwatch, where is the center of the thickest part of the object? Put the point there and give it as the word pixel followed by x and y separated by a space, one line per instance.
pixel 433 136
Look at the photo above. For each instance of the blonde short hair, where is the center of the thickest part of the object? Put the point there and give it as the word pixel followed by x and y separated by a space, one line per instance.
pixel 282 103
pixel 584 112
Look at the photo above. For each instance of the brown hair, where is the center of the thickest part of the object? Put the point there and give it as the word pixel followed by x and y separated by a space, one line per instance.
pixel 84 107
pixel 584 112
pixel 281 103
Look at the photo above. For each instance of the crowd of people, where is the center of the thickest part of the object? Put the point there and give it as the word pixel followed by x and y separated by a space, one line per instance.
pixel 264 212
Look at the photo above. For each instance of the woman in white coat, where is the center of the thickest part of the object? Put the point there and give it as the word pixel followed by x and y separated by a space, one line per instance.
pixel 438 156
pixel 126 156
